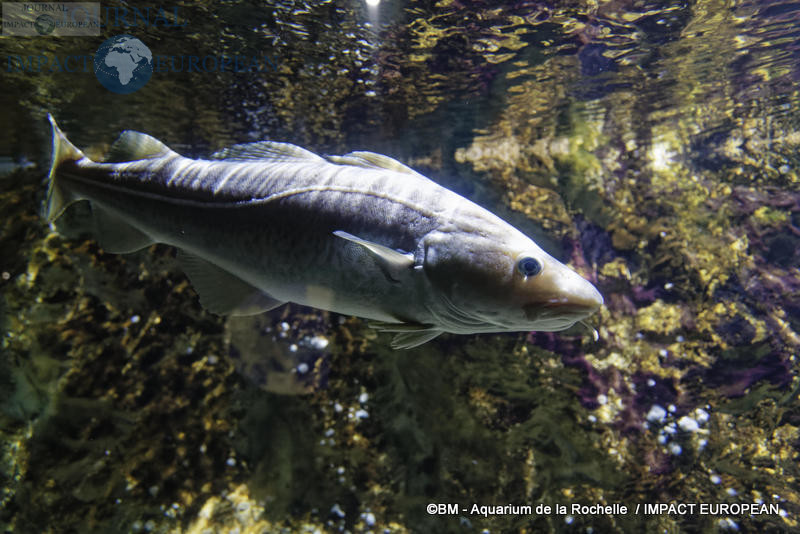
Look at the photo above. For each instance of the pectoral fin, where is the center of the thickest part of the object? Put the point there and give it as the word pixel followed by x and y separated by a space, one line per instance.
pixel 382 326
pixel 223 293
pixel 393 263
pixel 409 335
pixel 409 340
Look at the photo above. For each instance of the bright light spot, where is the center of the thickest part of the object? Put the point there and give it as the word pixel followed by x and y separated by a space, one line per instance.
pixel 656 414
pixel 373 3
pixel 661 156
pixel 687 424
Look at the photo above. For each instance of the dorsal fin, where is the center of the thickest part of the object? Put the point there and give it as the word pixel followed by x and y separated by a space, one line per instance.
pixel 371 160
pixel 269 150
pixel 133 145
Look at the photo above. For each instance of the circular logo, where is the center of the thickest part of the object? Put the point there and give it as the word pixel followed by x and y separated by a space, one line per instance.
pixel 44 24
pixel 123 64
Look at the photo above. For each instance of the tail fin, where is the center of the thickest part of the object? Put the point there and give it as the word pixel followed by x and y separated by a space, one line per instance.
pixel 58 198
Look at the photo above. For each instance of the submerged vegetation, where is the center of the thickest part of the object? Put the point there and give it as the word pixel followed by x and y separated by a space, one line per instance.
pixel 654 148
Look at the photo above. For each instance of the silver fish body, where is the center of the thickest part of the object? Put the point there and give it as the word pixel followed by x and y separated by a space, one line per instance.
pixel 262 224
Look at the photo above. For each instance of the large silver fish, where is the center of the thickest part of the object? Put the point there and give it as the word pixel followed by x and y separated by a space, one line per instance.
pixel 261 224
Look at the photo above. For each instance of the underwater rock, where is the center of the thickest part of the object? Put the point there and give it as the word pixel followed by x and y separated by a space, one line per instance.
pixel 282 351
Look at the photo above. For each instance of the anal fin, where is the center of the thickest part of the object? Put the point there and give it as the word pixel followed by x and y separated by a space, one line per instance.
pixel 224 293
pixel 116 235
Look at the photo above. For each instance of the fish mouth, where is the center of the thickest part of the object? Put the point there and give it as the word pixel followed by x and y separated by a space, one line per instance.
pixel 567 310
pixel 583 300
pixel 573 299
pixel 548 310
pixel 589 306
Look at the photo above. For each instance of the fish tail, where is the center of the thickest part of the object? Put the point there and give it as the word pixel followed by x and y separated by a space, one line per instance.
pixel 58 197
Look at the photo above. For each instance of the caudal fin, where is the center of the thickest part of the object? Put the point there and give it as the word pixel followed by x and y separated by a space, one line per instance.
pixel 58 198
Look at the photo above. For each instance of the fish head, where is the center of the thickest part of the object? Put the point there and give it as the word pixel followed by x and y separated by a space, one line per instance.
pixel 505 281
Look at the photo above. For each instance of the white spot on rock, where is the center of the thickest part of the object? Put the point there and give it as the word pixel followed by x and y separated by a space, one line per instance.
pixel 656 414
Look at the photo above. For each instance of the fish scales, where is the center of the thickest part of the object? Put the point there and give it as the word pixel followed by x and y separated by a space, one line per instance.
pixel 362 234
pixel 296 219
pixel 223 181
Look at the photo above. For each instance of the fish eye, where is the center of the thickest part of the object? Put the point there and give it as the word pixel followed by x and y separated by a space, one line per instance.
pixel 529 267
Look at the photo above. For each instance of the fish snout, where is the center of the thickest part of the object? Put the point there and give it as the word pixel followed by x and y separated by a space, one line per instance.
pixel 585 297
pixel 574 299
pixel 574 291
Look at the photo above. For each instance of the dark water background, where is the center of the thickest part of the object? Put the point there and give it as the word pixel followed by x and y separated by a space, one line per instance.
pixel 653 145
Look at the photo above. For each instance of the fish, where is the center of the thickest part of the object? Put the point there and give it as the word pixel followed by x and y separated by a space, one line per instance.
pixel 261 224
